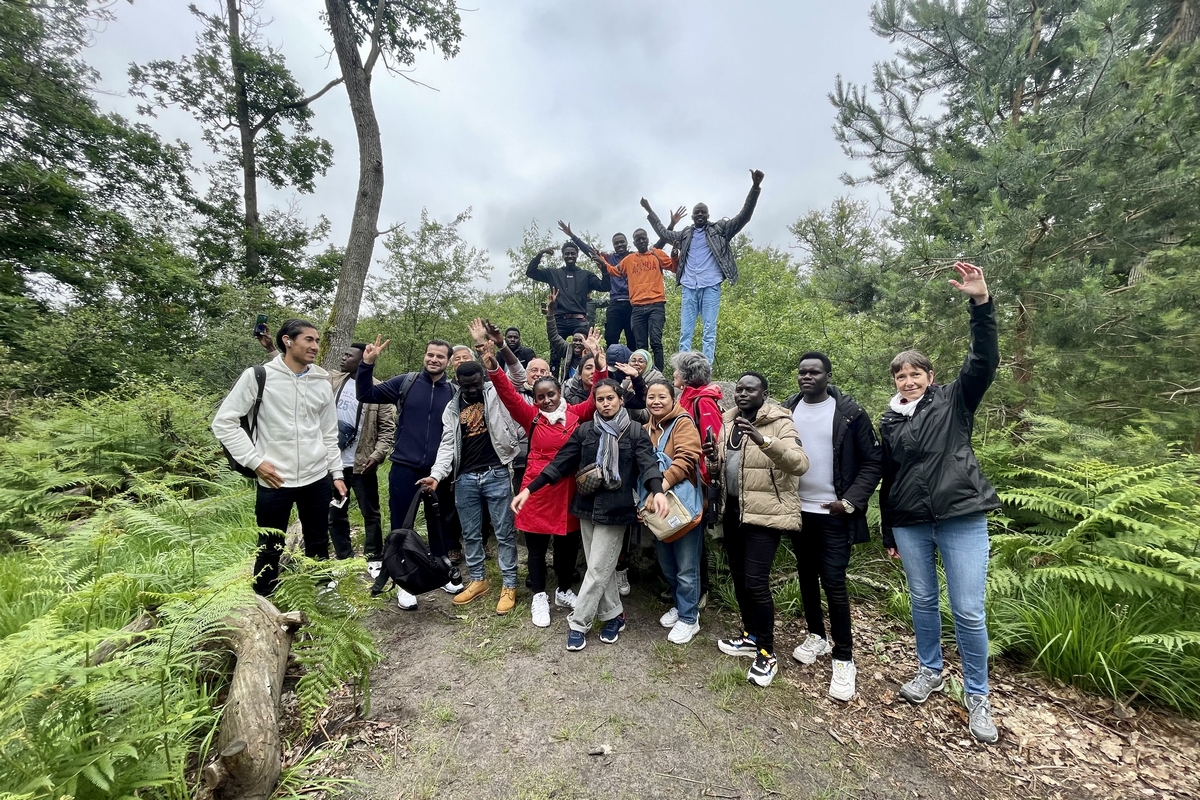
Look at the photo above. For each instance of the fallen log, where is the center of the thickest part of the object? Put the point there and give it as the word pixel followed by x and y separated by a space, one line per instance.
pixel 125 638
pixel 249 747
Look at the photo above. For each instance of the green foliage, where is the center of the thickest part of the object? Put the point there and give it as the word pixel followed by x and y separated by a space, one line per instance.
pixel 160 529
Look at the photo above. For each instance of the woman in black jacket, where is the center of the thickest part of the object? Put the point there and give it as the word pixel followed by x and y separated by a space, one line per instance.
pixel 934 499
pixel 620 450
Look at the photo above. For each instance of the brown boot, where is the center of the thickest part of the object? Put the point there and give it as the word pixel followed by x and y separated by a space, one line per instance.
pixel 473 590
pixel 508 599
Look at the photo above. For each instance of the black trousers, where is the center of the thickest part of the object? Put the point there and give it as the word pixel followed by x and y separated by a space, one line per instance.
pixel 365 487
pixel 273 509
pixel 402 488
pixel 648 324
pixel 618 319
pixel 566 553
pixel 822 550
pixel 751 550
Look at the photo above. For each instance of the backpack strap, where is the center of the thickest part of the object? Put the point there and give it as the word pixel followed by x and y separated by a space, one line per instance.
pixel 409 379
pixel 260 377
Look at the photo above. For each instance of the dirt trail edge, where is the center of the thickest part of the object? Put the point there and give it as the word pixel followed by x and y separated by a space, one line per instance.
pixel 470 705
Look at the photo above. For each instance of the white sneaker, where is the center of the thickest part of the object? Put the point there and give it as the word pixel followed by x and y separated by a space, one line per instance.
pixel 841 685
pixel 327 588
pixel 564 599
pixel 684 632
pixel 813 647
pixel 540 609
pixel 374 568
pixel 455 584
pixel 669 619
pixel 623 582
pixel 407 601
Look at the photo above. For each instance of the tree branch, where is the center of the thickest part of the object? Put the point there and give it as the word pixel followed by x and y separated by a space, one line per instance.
pixel 272 113
pixel 376 30
pixel 395 227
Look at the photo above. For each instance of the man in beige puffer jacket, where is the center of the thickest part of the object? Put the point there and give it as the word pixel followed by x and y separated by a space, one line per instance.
pixel 757 459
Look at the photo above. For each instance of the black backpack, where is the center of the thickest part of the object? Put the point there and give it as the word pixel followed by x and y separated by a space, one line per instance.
pixel 406 557
pixel 249 422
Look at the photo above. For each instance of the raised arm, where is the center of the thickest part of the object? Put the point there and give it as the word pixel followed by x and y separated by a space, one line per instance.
pixel 735 223
pixel 583 246
pixel 365 388
pixel 558 345
pixel 534 270
pixel 676 215
pixel 521 412
pixel 983 356
pixel 665 235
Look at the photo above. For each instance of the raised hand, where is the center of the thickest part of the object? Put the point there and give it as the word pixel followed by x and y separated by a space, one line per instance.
pixel 598 257
pixel 747 429
pixel 592 342
pixel 372 350
pixel 487 353
pixel 494 333
pixel 756 175
pixel 477 330
pixel 548 251
pixel 565 227
pixel 646 205
pixel 625 369
pixel 972 283
pixel 677 215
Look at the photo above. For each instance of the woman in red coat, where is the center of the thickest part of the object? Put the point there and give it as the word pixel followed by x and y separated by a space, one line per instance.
pixel 548 423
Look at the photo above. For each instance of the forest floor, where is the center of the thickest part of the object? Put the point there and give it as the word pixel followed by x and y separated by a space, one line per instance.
pixel 466 704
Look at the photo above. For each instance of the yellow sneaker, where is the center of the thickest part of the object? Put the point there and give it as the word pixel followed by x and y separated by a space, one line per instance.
pixel 508 599
pixel 473 590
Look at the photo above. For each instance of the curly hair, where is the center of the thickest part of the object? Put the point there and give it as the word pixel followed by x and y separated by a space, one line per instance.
pixel 693 367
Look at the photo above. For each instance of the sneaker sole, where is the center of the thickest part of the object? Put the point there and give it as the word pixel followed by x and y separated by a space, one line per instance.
pixel 986 740
pixel 840 699
pixel 413 607
pixel 920 701
pixel 665 625
pixel 576 649
pixel 682 642
pixel 805 659
pixel 729 651
pixel 537 624
pixel 759 681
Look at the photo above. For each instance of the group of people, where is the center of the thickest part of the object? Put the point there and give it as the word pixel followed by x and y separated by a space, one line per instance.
pixel 577 451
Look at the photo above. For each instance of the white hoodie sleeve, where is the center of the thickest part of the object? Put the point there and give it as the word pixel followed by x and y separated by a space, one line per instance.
pixel 329 433
pixel 226 425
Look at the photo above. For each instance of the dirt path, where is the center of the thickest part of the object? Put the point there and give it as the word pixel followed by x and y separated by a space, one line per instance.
pixel 471 705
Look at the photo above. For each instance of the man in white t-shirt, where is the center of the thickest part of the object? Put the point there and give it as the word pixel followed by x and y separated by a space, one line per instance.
pixel 366 433
pixel 844 466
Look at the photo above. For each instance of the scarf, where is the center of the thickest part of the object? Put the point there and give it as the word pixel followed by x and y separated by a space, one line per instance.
pixel 558 415
pixel 608 454
pixel 904 407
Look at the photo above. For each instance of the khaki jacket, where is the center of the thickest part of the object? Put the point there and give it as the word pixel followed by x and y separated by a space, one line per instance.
pixel 378 427
pixel 769 475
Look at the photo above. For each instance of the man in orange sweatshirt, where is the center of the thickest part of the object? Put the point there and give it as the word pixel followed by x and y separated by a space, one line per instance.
pixel 643 270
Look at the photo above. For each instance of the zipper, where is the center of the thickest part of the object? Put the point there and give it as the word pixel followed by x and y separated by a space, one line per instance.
pixel 778 499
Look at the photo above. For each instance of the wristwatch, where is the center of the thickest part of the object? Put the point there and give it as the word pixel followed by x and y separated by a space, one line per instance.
pixel 766 442
pixel 846 505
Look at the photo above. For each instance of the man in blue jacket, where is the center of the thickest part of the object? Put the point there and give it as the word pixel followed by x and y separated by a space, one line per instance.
pixel 420 398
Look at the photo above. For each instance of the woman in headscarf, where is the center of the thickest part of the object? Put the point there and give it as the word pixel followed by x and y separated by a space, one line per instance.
pixel 618 453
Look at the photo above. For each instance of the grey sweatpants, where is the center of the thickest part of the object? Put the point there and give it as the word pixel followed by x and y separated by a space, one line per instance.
pixel 598 596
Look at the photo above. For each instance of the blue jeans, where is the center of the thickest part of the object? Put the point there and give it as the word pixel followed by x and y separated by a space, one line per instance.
pixel 705 303
pixel 492 487
pixel 680 562
pixel 963 544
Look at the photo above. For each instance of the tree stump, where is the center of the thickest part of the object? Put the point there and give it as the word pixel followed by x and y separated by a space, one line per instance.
pixel 249 746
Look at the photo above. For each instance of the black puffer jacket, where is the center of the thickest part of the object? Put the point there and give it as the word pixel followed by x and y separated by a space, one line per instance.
pixel 857 459
pixel 637 462
pixel 929 470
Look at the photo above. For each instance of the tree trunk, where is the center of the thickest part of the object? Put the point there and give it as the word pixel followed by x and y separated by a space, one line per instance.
pixel 363 227
pixel 253 268
pixel 250 750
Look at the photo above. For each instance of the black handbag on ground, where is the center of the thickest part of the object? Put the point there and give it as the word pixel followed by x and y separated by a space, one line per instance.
pixel 406 557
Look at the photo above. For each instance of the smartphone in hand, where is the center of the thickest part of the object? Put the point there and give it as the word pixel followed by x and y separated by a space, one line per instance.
pixel 260 325
pixel 339 502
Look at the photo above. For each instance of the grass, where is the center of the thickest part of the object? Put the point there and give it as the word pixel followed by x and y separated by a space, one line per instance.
pixel 570 732
pixel 765 771
pixel 725 682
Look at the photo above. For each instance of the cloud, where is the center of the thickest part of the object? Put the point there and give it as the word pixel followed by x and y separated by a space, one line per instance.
pixel 567 109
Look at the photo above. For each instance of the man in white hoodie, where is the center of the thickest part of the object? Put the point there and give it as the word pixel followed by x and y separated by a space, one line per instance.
pixel 295 449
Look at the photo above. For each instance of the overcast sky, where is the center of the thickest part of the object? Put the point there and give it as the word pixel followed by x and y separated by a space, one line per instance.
pixel 566 109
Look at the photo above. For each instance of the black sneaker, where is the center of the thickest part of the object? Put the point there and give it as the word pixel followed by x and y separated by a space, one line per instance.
pixel 744 645
pixel 608 634
pixel 763 670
